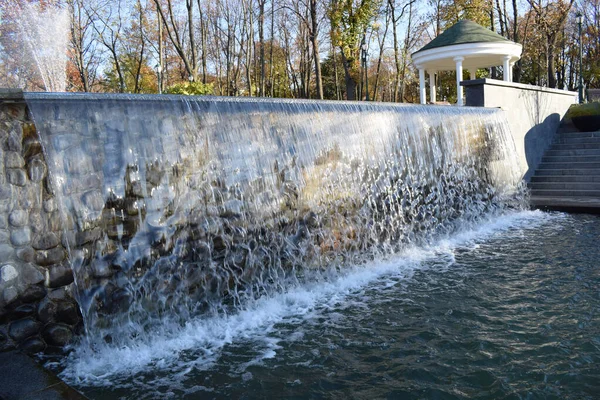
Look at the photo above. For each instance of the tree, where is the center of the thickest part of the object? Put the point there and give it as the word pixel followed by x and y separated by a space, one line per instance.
pixel 109 26
pixel 550 19
pixel 83 52
pixel 178 35
pixel 350 20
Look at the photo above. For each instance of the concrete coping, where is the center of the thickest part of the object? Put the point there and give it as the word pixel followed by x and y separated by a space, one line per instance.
pixel 11 94
pixel 522 86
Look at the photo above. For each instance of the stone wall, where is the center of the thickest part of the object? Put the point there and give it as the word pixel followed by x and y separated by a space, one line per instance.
pixel 534 114
pixel 37 309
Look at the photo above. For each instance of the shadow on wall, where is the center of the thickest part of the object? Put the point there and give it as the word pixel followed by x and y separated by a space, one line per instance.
pixel 537 140
pixel 544 125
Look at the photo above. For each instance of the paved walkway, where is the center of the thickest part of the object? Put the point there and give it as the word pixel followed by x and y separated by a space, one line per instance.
pixel 23 378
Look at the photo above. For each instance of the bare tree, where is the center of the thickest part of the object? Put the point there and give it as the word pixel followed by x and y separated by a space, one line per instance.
pixel 109 26
pixel 84 53
pixel 177 36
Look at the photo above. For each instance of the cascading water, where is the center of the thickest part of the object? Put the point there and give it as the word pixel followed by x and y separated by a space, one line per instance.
pixel 188 207
pixel 44 32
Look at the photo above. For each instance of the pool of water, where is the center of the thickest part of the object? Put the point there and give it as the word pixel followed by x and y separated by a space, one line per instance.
pixel 508 309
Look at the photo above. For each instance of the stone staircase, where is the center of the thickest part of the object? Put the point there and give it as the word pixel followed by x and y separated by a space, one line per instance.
pixel 568 178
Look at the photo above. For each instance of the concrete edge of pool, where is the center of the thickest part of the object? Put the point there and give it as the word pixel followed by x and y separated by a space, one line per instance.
pixel 21 377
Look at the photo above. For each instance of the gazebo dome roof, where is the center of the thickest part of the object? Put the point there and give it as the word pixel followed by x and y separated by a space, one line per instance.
pixel 463 31
pixel 477 46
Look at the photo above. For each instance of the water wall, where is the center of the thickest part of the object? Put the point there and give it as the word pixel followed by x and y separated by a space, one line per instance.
pixel 175 207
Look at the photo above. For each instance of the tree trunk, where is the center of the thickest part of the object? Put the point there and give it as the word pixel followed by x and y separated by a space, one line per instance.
pixel 396 51
pixel 190 11
pixel 350 82
pixel 261 40
pixel 517 70
pixel 315 45
pixel 381 49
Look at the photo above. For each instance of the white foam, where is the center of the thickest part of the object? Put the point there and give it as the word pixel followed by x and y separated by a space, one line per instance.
pixel 199 344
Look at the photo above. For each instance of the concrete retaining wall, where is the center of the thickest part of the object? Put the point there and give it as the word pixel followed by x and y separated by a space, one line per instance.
pixel 534 114
pixel 593 95
pixel 36 302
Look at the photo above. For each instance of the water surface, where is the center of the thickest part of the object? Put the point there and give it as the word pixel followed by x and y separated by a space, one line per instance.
pixel 505 309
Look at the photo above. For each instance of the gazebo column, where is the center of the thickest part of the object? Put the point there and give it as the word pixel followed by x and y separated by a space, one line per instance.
pixel 422 92
pixel 506 67
pixel 432 97
pixel 459 72
pixel 472 73
pixel 510 70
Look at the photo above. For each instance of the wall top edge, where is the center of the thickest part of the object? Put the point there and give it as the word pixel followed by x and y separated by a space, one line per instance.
pixel 522 86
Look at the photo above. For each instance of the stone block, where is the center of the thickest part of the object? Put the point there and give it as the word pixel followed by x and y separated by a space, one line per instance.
pixel 24 310
pixel 20 236
pixel 61 293
pixel 36 169
pixel 46 310
pixel 29 275
pixel 26 254
pixel 45 241
pixel 36 222
pixel 33 345
pixel 8 273
pixel 14 141
pixel 4 236
pixel 56 223
pixel 7 252
pixel 13 159
pixel 24 328
pixel 88 236
pixel 58 335
pixel 28 197
pixel 9 295
pixel 68 312
pixel 53 256
pixel 18 218
pixel 6 192
pixel 59 275
pixel 33 293
pixel 69 239
pixel 16 176
pixel 50 205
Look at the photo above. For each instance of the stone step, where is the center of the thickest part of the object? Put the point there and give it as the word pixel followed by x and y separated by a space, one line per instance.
pixel 576 204
pixel 573 152
pixel 566 135
pixel 569 172
pixel 574 146
pixel 565 178
pixel 534 186
pixel 569 165
pixel 566 193
pixel 576 140
pixel 571 159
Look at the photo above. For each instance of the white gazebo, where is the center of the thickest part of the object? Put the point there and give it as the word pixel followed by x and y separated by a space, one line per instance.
pixel 465 45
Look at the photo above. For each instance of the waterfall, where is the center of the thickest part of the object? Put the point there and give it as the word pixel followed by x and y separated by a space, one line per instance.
pixel 176 207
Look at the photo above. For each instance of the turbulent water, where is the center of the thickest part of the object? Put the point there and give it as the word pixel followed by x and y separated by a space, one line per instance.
pixel 177 207
pixel 216 239
pixel 44 34
pixel 506 308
